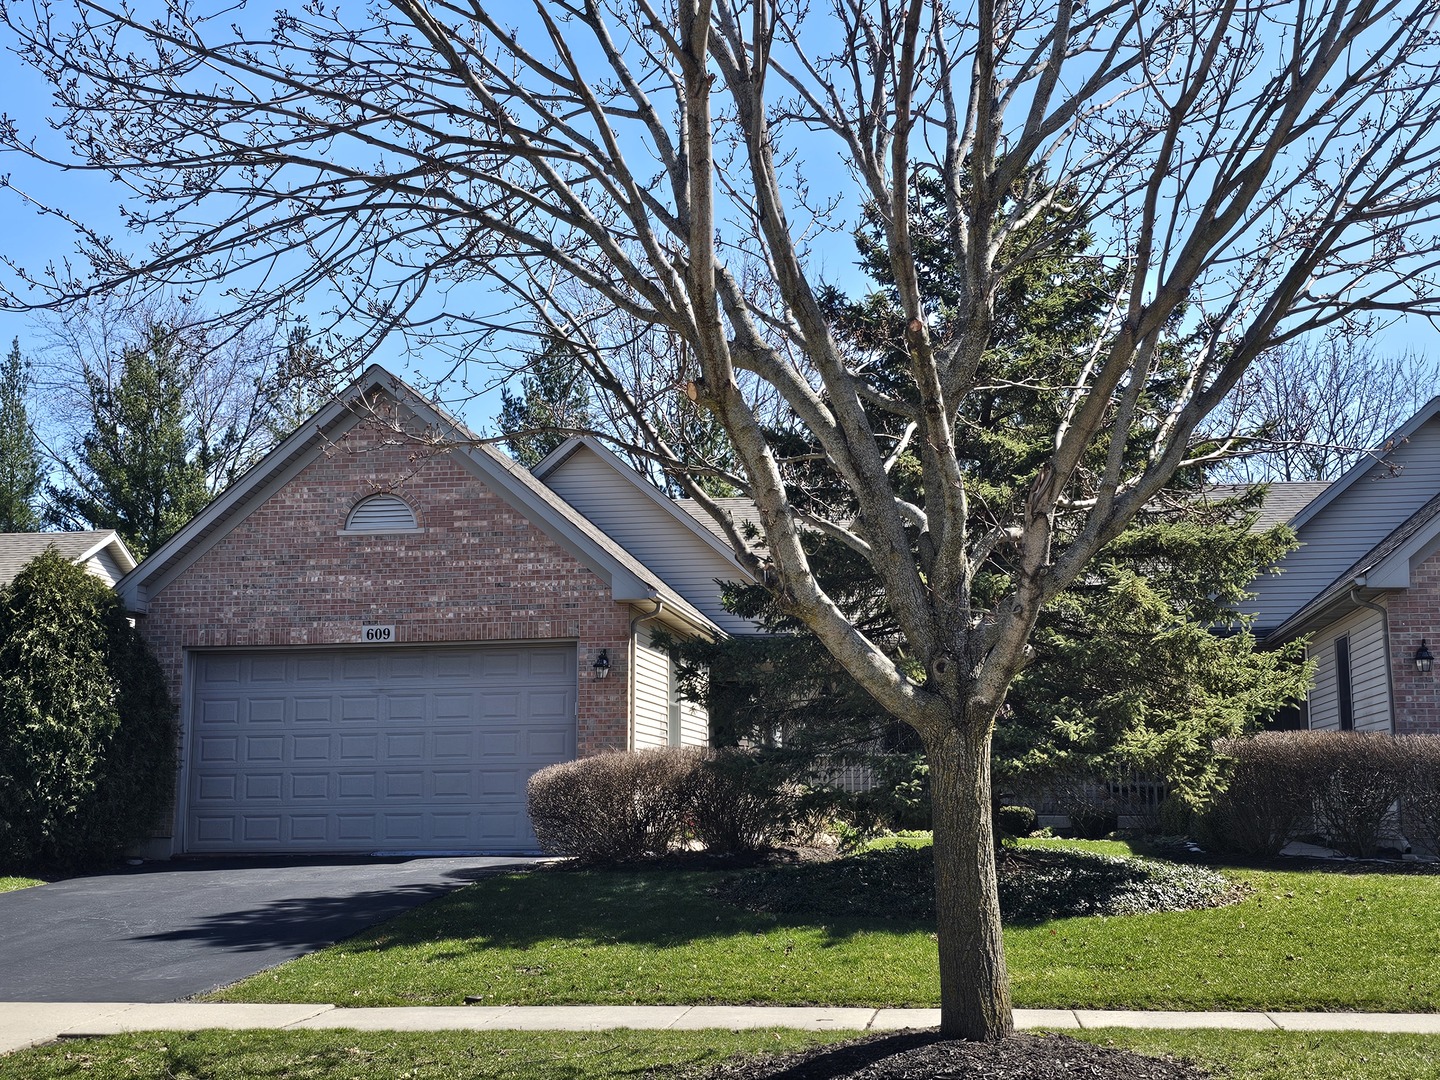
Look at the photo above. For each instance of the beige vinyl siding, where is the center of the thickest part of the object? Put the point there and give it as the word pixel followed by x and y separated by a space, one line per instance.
pixel 694 725
pixel 661 717
pixel 1356 520
pixel 1369 686
pixel 651 532
pixel 105 566
pixel 652 695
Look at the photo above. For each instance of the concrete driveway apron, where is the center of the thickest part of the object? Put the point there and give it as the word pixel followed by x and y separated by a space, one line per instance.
pixel 165 931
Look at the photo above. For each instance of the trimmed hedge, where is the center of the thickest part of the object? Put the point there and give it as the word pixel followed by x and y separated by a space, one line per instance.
pixel 613 807
pixel 1346 784
pixel 623 806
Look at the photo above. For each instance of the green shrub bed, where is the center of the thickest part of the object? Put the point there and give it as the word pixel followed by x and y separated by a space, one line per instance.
pixel 1035 885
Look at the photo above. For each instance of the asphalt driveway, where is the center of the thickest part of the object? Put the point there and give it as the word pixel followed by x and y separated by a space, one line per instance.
pixel 165 931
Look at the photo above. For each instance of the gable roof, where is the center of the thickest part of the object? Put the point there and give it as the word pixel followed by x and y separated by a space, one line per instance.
pixel 1384 566
pixel 1283 501
pixel 1367 462
pixel 17 549
pixel 686 512
pixel 628 578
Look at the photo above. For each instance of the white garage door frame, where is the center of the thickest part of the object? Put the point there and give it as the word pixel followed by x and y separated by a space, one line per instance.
pixel 438 739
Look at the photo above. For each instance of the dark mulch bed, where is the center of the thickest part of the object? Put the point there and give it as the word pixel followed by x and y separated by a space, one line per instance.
pixel 925 1056
pixel 1036 884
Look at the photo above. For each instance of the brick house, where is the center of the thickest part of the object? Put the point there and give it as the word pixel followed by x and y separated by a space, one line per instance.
pixel 1365 585
pixel 381 630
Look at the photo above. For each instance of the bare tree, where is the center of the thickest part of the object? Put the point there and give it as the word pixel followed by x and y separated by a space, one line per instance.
pixel 232 375
pixel 1314 407
pixel 1250 171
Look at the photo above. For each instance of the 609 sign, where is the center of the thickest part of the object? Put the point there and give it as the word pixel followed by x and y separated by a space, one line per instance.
pixel 377 635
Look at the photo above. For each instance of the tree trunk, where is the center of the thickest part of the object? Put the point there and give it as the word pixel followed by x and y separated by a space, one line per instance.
pixel 974 985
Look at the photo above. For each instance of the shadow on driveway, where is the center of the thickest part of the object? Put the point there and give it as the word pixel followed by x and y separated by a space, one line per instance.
pixel 165 931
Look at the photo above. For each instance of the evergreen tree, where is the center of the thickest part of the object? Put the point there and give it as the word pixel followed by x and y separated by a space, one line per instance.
pixel 87 728
pixel 20 473
pixel 137 470
pixel 553 404
pixel 1128 671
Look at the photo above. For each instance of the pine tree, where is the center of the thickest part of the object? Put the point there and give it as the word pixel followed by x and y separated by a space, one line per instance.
pixel 136 470
pixel 553 404
pixel 20 472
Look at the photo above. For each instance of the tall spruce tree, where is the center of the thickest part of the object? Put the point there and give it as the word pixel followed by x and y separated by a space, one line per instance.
pixel 137 469
pixel 1128 669
pixel 553 403
pixel 20 471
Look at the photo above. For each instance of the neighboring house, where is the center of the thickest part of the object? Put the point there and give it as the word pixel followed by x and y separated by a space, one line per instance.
pixel 101 552
pixel 1365 585
pixel 380 631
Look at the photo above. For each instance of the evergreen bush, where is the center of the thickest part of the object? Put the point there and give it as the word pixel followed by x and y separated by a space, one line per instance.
pixel 739 805
pixel 1015 821
pixel 87 728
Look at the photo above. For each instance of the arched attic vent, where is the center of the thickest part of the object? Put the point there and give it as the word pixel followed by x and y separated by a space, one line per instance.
pixel 381 513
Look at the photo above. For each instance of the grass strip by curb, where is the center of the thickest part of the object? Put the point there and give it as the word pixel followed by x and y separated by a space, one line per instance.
pixel 613 1055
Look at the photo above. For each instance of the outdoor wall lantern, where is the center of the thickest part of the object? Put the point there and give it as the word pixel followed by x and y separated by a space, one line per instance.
pixel 602 664
pixel 1424 660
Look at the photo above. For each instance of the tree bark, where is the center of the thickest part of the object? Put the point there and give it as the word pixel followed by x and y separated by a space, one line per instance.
pixel 974 984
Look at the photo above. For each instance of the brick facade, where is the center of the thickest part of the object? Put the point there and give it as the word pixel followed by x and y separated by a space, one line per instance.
pixel 475 571
pixel 1415 617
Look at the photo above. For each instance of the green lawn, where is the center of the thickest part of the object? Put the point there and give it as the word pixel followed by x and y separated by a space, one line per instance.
pixel 10 884
pixel 612 1055
pixel 1302 940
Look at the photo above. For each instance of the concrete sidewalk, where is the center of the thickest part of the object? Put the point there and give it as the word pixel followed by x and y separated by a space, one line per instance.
pixel 25 1024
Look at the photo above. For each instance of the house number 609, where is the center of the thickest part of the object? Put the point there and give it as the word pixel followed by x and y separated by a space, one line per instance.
pixel 375 634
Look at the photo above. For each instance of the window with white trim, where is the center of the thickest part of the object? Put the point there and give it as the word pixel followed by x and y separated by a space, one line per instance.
pixel 381 513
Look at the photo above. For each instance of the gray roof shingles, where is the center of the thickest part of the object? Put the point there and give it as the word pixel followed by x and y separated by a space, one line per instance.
pixel 17 549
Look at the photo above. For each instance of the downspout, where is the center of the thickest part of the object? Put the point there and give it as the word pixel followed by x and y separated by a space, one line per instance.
pixel 1355 588
pixel 644 616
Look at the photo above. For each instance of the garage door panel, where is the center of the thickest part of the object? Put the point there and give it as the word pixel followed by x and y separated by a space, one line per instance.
pixel 314 710
pixel 260 828
pixel 263 748
pixel 332 751
pixel 218 749
pixel 452 784
pixel 263 787
pixel 410 745
pixel 216 789
pixel 307 786
pixel 359 748
pixel 309 828
pixel 214 712
pixel 406 708
pixel 310 747
pixel 541 705
pixel 451 706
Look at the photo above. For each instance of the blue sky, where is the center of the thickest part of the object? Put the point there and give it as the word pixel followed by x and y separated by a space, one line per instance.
pixel 35 239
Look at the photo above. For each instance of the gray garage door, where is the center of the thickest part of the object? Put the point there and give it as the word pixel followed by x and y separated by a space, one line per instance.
pixel 373 749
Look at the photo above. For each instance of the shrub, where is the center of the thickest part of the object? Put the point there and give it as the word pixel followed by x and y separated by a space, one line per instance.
pixel 1422 788
pixel 1035 884
pixel 1359 778
pixel 1015 821
pixel 740 804
pixel 87 728
pixel 613 807
pixel 1269 790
